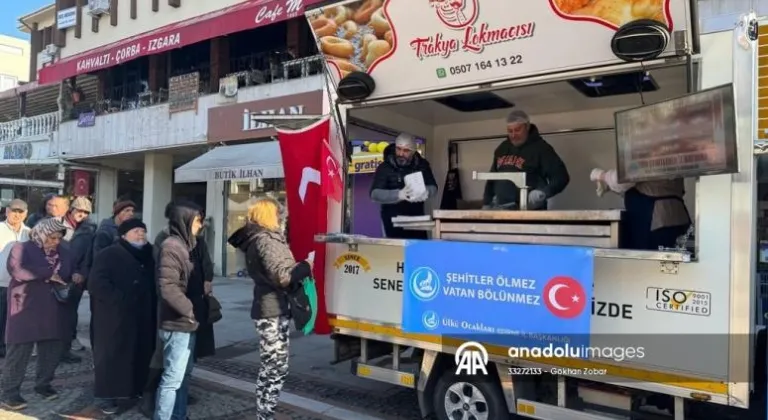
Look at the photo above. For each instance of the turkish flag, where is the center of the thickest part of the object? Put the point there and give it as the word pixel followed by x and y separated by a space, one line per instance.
pixel 81 186
pixel 331 182
pixel 306 166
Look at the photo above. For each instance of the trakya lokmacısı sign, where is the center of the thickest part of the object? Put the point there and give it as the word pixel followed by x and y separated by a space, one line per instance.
pixel 250 120
pixel 424 45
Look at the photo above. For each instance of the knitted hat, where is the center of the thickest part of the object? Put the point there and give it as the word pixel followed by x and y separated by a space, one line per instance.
pixel 129 224
pixel 82 204
pixel 122 205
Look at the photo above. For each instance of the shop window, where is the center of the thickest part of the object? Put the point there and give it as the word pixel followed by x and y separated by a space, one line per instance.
pixel 8 82
pixel 130 186
pixel 241 195
pixel 10 49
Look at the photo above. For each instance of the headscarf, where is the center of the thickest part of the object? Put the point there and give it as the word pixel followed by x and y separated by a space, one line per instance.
pixel 40 233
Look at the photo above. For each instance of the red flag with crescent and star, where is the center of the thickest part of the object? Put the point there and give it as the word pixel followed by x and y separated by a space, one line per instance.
pixel 331 182
pixel 312 175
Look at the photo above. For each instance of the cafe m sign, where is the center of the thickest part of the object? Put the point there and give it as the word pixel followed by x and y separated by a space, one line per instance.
pixel 250 120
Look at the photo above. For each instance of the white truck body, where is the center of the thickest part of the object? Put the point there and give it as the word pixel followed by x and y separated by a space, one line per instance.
pixel 701 348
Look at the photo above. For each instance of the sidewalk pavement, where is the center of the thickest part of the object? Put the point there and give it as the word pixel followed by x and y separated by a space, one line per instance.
pixel 75 385
pixel 314 385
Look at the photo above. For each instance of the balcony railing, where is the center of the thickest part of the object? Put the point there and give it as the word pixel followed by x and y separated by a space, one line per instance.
pixel 39 125
pixel 253 70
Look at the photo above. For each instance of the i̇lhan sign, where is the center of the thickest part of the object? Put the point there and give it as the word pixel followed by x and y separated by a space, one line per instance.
pixel 418 46
pixel 250 120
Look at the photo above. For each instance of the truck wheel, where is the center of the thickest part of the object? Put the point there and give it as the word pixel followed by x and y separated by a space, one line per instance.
pixel 469 398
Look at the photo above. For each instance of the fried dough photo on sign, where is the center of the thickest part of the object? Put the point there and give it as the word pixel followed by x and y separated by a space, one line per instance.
pixel 355 36
pixel 615 13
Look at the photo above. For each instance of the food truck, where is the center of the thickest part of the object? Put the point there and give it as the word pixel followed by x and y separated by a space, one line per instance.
pixel 616 84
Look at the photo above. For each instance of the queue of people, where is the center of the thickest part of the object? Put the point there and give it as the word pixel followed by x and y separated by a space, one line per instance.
pixel 152 311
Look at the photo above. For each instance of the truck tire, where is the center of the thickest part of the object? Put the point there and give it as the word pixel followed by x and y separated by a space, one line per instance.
pixel 480 398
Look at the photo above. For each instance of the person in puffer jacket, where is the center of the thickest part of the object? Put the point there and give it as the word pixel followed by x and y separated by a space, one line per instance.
pixel 175 311
pixel 275 273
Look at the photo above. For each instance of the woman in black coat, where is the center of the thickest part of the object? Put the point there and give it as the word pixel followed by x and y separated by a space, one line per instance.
pixel 198 287
pixel 124 317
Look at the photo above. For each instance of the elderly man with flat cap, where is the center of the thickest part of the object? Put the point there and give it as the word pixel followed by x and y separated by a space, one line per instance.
pixel 389 189
pixel 525 151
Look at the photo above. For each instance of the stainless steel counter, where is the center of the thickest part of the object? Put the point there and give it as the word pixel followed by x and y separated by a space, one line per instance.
pixel 530 216
pixel 626 254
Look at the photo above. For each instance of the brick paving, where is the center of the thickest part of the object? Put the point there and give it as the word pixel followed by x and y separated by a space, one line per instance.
pixel 75 385
pixel 387 401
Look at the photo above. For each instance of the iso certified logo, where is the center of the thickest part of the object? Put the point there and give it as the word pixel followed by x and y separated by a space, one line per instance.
pixel 424 284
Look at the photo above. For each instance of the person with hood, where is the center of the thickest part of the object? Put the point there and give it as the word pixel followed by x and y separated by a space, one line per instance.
pixel 79 238
pixel 106 234
pixel 124 317
pixel 176 312
pixel 12 230
pixel 36 318
pixel 525 150
pixel 275 273
pixel 200 286
pixel 389 189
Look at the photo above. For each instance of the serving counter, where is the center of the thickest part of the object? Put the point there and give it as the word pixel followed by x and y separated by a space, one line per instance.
pixel 590 228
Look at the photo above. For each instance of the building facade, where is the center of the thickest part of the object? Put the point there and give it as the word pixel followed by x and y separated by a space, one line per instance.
pixel 144 95
pixel 14 62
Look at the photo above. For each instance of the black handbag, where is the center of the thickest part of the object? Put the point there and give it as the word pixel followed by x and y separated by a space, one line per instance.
pixel 62 292
pixel 214 309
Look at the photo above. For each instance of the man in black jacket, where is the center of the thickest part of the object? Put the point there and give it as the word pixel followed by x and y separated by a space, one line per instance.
pixel 176 312
pixel 525 151
pixel 389 189
pixel 79 238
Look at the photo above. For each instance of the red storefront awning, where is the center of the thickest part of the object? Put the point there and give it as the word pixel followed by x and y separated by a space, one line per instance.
pixel 248 15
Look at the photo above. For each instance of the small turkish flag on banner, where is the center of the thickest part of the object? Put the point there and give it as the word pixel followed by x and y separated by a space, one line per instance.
pixel 81 187
pixel 310 170
pixel 331 177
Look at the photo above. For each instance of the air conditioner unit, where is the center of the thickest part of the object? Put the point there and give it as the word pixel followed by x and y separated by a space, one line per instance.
pixel 44 58
pixel 51 50
pixel 98 7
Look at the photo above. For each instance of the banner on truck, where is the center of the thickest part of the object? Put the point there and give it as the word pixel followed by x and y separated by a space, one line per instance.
pixel 512 294
pixel 425 45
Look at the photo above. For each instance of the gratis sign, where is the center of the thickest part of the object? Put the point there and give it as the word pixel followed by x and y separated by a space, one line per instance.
pixel 499 293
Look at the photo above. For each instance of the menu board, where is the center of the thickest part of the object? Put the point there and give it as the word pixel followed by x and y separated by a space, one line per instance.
pixel 684 137
pixel 183 92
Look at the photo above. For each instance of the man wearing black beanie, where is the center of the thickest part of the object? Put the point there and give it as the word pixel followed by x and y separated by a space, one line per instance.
pixel 106 235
